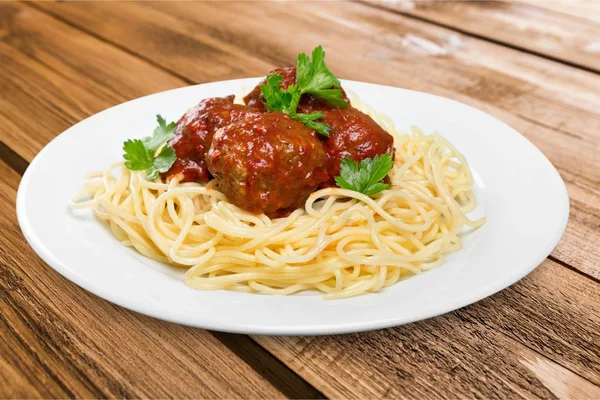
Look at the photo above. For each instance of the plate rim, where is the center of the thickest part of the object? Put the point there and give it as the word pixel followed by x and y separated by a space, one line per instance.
pixel 358 326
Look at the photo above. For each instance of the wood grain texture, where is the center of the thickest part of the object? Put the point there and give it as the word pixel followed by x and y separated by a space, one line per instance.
pixel 557 107
pixel 45 87
pixel 583 9
pixel 538 338
pixel 54 74
pixel 58 341
pixel 564 31
pixel 488 350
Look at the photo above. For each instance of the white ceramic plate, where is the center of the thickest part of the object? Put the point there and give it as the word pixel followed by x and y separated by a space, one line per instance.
pixel 518 190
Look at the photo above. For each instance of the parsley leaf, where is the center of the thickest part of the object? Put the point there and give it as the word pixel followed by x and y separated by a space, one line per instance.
pixel 310 120
pixel 272 92
pixel 277 99
pixel 162 133
pixel 314 78
pixel 136 155
pixel 332 96
pixel 162 162
pixel 287 100
pixel 291 99
pixel 311 77
pixel 140 154
pixel 365 177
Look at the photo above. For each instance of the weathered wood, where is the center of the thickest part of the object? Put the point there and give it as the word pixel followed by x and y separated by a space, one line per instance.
pixel 45 87
pixel 583 9
pixel 555 106
pixel 60 341
pixel 565 31
pixel 537 339
pixel 485 350
pixel 53 76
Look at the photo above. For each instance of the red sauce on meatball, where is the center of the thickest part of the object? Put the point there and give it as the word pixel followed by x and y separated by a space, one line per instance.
pixel 308 102
pixel 355 135
pixel 267 163
pixel 194 132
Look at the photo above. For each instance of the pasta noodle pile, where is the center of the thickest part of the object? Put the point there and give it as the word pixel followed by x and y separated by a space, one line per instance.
pixel 342 243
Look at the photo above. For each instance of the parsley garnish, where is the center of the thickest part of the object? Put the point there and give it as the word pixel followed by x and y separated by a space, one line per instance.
pixel 311 77
pixel 310 120
pixel 366 177
pixel 137 156
pixel 162 162
pixel 314 78
pixel 162 133
pixel 279 99
pixel 140 154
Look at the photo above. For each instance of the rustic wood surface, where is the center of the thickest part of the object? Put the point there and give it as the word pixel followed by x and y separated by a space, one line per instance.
pixel 562 30
pixel 61 341
pixel 61 62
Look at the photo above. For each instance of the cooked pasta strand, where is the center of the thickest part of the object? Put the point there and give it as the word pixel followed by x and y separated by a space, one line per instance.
pixel 342 243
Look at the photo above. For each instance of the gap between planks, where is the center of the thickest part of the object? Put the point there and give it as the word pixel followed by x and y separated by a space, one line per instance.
pixel 15 161
pixel 468 33
pixel 275 371
pixel 564 264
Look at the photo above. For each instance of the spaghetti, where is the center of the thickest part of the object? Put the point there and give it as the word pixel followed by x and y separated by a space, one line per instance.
pixel 341 243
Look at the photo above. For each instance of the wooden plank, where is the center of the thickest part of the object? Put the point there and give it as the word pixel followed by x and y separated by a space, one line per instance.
pixel 26 372
pixel 584 9
pixel 469 352
pixel 565 31
pixel 482 351
pixel 46 86
pixel 473 352
pixel 96 349
pixel 555 106
pixel 51 73
pixel 255 39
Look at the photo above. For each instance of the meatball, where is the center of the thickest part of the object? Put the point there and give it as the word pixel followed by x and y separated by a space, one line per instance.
pixel 194 132
pixel 308 102
pixel 355 135
pixel 267 163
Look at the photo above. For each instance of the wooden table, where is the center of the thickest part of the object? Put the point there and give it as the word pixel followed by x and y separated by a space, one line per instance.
pixel 535 66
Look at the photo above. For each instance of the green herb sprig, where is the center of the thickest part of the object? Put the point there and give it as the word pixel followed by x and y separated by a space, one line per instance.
pixel 365 177
pixel 140 154
pixel 312 77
